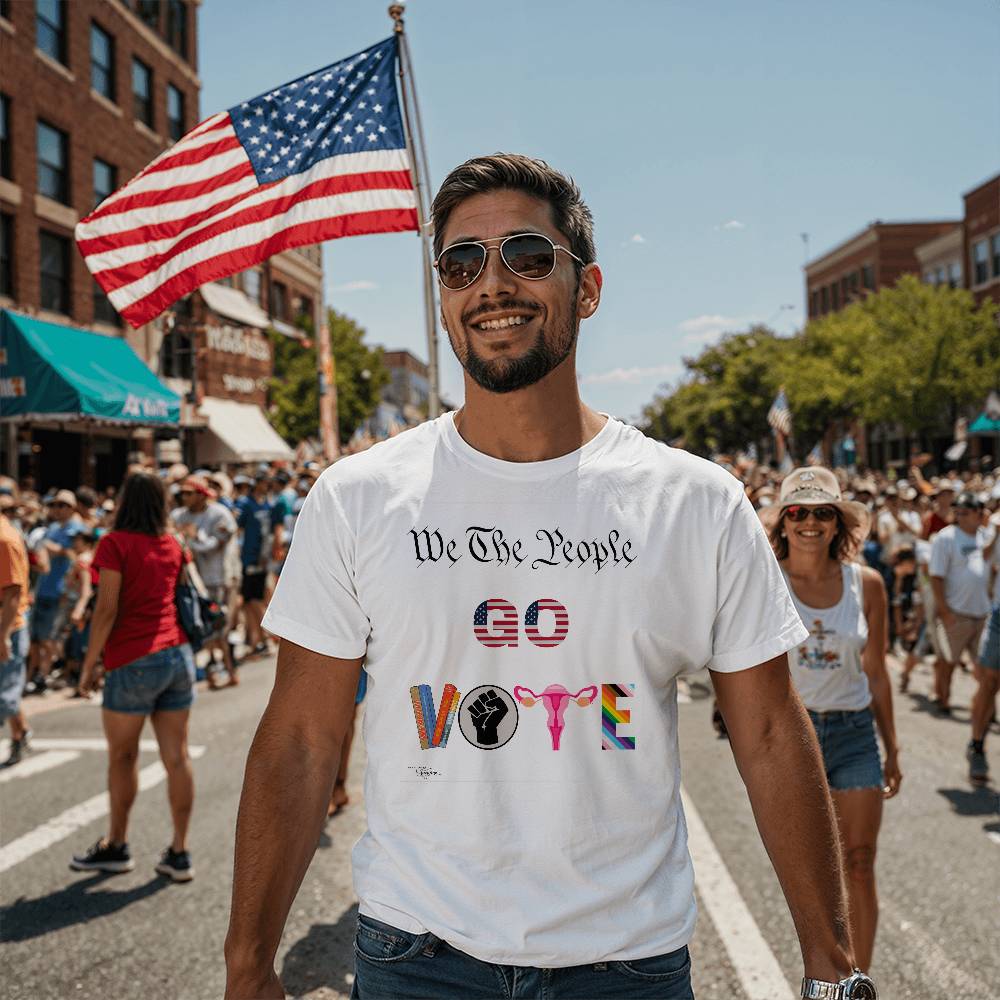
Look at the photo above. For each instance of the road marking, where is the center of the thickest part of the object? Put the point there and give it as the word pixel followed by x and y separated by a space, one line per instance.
pixel 994 836
pixel 84 743
pixel 33 765
pixel 751 958
pixel 68 822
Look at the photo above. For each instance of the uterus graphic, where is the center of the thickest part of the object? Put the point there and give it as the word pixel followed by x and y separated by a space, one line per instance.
pixel 555 698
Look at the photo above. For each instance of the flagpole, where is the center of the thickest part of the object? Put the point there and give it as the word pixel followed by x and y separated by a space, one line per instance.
pixel 421 176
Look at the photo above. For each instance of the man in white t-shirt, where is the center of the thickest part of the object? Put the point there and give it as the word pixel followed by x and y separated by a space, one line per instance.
pixel 899 527
pixel 525 580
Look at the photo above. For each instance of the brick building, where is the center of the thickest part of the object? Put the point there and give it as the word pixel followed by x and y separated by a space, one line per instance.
pixel 981 240
pixel 872 259
pixel 90 92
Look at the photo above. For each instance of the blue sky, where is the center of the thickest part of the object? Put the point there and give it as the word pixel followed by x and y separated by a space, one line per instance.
pixel 706 135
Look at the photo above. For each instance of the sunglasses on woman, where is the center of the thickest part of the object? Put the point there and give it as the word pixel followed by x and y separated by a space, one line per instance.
pixel 528 255
pixel 799 512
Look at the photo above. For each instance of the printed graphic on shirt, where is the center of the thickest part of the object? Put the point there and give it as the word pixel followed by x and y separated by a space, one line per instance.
pixel 814 654
pixel 505 625
pixel 613 716
pixel 433 730
pixel 555 698
pixel 488 717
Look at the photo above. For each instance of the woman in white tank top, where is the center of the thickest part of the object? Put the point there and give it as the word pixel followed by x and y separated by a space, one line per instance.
pixel 840 671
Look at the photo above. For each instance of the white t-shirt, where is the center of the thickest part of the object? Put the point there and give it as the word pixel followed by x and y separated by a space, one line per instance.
pixel 894 537
pixel 524 625
pixel 957 557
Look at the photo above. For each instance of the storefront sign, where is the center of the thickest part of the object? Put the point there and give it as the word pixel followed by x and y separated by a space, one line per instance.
pixel 240 342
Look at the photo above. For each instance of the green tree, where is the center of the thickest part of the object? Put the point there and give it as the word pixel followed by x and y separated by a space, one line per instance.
pixel 360 377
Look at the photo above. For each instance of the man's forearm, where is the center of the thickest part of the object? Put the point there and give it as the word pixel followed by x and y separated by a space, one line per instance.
pixel 940 604
pixel 10 598
pixel 286 790
pixel 786 783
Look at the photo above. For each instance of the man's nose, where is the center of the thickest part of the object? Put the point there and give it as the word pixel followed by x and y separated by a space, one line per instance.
pixel 497 279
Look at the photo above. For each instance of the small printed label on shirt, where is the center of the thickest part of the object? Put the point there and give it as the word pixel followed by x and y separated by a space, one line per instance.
pixel 426 773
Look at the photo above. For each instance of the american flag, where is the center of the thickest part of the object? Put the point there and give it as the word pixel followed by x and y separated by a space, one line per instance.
pixel 531 623
pixel 780 416
pixel 318 158
pixel 504 631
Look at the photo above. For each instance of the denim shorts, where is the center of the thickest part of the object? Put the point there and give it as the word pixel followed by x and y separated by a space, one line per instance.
pixel 391 964
pixel 850 750
pixel 44 614
pixel 989 648
pixel 12 674
pixel 160 682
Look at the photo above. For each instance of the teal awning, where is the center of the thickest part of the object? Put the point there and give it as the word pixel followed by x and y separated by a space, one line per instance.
pixel 985 424
pixel 53 372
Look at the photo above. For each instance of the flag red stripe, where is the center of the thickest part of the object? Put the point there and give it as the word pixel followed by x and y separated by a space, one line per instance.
pixel 188 157
pixel 112 278
pixel 222 265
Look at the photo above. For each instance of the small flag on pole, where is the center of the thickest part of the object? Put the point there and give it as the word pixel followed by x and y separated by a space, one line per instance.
pixel 779 417
pixel 318 158
pixel 815 457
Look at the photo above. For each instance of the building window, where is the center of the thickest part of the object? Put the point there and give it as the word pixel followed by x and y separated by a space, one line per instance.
pixel 868 277
pixel 304 311
pixel 5 9
pixel 54 254
pixel 835 296
pixel 104 311
pixel 149 13
pixel 852 284
pixel 995 245
pixel 102 62
pixel 5 143
pixel 824 299
pixel 53 170
pixel 175 112
pixel 142 91
pixel 175 355
pixel 980 262
pixel 251 285
pixel 930 278
pixel 50 28
pixel 813 303
pixel 6 254
pixel 279 300
pixel 105 180
pixel 177 27
pixel 955 274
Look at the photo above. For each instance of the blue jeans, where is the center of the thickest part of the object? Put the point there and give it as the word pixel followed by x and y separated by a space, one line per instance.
pixel 850 749
pixel 160 682
pixel 392 964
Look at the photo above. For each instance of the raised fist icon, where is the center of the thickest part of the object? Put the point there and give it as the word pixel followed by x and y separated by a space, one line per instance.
pixel 487 712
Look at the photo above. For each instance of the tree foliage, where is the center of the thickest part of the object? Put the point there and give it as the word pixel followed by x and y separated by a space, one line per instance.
pixel 913 355
pixel 360 375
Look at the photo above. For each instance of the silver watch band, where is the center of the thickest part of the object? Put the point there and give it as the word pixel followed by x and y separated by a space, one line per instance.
pixel 816 989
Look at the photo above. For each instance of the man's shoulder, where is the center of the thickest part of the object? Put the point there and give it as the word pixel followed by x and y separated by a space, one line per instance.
pixel 393 459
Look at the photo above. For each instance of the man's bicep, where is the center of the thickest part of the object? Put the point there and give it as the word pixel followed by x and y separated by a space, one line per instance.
pixel 314 693
pixel 752 701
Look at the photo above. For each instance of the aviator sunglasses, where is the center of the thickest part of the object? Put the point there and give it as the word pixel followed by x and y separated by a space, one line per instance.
pixel 798 512
pixel 528 255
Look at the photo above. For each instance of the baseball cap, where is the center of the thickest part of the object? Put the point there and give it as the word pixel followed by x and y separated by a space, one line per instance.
pixel 968 501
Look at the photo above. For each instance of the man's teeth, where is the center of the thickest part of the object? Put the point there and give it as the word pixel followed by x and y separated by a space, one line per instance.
pixel 502 324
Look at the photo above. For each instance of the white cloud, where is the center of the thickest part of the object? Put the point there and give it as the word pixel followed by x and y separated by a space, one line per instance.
pixel 354 286
pixel 731 224
pixel 702 329
pixel 637 238
pixel 630 376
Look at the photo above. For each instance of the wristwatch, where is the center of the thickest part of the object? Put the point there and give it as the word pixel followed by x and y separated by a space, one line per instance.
pixel 856 986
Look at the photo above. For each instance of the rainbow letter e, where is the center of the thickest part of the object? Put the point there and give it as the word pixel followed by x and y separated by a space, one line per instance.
pixel 612 716
pixel 433 730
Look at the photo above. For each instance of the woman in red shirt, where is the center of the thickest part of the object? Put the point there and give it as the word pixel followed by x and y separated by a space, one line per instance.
pixel 149 670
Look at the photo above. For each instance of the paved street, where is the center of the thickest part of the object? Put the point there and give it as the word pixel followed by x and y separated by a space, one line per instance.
pixel 75 935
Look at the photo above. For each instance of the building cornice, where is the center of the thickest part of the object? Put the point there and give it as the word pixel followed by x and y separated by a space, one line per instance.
pixel 946 245
pixel 298 268
pixel 860 241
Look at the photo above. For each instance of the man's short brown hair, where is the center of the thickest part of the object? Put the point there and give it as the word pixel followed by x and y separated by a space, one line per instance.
pixel 514 172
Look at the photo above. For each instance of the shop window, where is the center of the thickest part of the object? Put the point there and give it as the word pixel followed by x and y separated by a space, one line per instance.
pixel 142 92
pixel 149 13
pixel 54 258
pixel 175 112
pixel 102 62
pixel 53 163
pixel 279 300
pixel 177 27
pixel 6 168
pixel 980 262
pixel 6 254
pixel 104 311
pixel 105 180
pixel 50 28
pixel 251 285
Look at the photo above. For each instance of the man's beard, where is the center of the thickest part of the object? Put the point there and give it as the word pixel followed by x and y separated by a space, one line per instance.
pixel 503 375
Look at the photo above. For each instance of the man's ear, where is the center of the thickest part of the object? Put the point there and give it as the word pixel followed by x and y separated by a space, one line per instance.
pixel 588 296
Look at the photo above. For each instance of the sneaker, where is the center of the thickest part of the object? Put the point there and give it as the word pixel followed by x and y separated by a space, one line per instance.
pixel 176 865
pixel 979 770
pixel 18 748
pixel 104 857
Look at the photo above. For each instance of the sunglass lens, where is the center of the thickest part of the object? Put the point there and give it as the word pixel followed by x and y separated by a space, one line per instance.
pixel 530 256
pixel 460 265
pixel 824 513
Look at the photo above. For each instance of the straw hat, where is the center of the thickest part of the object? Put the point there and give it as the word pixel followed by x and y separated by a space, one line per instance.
pixel 817 487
